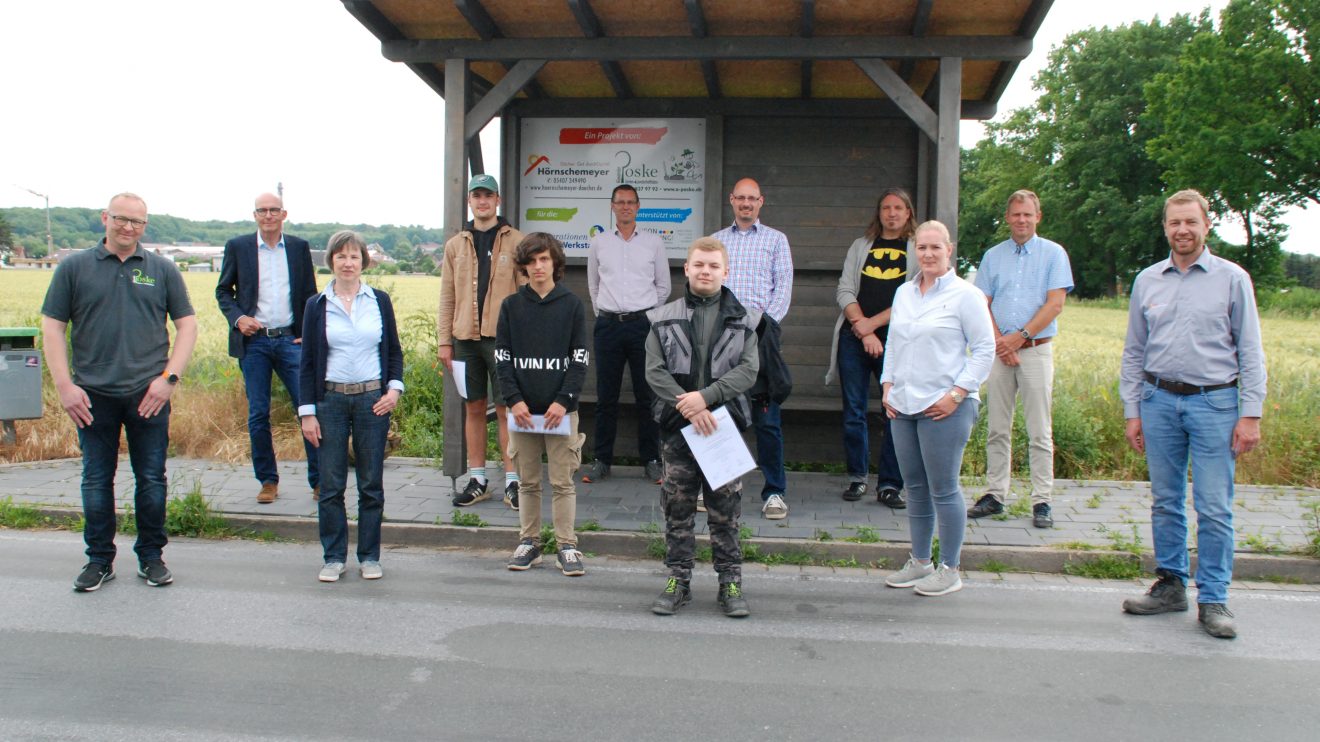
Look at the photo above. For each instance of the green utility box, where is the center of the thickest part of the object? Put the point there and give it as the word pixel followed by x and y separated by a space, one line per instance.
pixel 20 375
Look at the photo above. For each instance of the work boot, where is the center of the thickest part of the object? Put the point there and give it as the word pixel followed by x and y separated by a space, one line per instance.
pixel 269 491
pixel 676 593
pixel 1166 595
pixel 1216 619
pixel 732 602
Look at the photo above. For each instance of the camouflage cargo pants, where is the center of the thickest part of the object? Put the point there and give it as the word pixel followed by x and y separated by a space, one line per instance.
pixel 678 496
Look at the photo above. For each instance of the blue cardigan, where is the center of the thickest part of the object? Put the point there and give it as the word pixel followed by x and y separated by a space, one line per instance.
pixel 311 381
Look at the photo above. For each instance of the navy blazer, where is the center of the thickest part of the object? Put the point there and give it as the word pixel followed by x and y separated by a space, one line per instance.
pixel 316 349
pixel 237 290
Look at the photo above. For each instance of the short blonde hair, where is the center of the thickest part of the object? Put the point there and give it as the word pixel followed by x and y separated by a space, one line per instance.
pixel 127 195
pixel 1023 195
pixel 1188 196
pixel 708 244
pixel 939 228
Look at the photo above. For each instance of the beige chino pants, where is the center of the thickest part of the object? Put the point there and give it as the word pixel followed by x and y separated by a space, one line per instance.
pixel 1033 381
pixel 564 455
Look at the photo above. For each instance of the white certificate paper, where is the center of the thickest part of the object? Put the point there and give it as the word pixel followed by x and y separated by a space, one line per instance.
pixel 722 455
pixel 460 377
pixel 538 426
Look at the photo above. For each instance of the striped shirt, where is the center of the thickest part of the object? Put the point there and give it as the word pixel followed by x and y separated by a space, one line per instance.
pixel 760 268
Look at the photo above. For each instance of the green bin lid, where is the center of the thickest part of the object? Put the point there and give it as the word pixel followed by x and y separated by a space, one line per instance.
pixel 18 332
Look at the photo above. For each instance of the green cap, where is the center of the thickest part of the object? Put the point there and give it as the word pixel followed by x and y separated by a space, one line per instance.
pixel 483 181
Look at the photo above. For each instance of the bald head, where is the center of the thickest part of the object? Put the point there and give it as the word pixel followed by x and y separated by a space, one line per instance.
pixel 269 212
pixel 746 202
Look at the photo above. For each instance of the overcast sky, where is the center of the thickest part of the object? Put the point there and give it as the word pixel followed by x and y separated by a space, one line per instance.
pixel 200 106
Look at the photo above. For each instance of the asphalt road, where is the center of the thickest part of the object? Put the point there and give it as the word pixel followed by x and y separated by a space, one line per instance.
pixel 247 645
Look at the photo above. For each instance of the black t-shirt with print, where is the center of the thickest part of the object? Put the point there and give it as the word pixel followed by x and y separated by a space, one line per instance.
pixel 883 272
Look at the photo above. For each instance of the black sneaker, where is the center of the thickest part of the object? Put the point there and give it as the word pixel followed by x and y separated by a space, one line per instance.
pixel 655 471
pixel 676 593
pixel 1040 515
pixel 511 494
pixel 93 576
pixel 855 491
pixel 570 562
pixel 891 497
pixel 526 556
pixel 155 573
pixel 596 472
pixel 987 505
pixel 1168 594
pixel 1216 619
pixel 473 493
pixel 732 602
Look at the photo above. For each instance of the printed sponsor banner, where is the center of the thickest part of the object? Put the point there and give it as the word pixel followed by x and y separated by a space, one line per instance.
pixel 571 165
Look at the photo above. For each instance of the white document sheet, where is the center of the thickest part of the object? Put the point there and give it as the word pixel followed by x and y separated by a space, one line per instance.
pixel 460 377
pixel 538 425
pixel 722 455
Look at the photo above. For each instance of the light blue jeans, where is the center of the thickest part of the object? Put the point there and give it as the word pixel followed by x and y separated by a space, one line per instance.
pixel 1199 426
pixel 930 456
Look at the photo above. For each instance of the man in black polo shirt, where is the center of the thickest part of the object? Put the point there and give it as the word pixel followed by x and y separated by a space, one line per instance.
pixel 117 297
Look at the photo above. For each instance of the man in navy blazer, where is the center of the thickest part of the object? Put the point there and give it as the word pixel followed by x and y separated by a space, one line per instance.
pixel 265 281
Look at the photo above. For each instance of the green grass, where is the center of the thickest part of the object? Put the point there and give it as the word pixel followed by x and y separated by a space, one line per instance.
pixel 1121 541
pixel 1094 500
pixel 1105 567
pixel 1312 547
pixel 1260 544
pixel 995 566
pixel 24 517
pixel 1077 546
pixel 1282 579
pixel 191 515
pixel 863 535
pixel 590 525
pixel 470 520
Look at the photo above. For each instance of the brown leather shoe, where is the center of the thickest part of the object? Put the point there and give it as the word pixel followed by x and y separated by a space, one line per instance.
pixel 269 491
pixel 316 493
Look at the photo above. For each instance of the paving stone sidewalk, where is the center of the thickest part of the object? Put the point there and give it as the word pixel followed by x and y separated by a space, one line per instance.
pixel 1094 512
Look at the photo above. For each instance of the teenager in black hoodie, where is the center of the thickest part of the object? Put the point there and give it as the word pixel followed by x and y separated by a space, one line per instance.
pixel 541 361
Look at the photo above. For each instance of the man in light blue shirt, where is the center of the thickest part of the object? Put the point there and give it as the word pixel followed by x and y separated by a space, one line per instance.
pixel 1193 388
pixel 1025 279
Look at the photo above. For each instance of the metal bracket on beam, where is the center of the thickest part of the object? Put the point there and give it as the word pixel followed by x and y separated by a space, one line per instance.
pixel 499 96
pixel 902 95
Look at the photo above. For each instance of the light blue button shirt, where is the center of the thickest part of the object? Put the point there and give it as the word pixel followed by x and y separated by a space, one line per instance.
pixel 1017 279
pixel 274 297
pixel 930 337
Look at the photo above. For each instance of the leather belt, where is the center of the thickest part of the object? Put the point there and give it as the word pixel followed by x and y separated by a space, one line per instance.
pixel 276 332
pixel 1178 387
pixel 1036 341
pixel 624 316
pixel 358 388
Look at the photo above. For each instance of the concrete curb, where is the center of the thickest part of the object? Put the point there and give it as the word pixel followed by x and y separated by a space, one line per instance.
pixel 886 555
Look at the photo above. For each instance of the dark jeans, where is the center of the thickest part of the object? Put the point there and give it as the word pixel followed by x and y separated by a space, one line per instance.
pixel 856 368
pixel 341 415
pixel 264 356
pixel 769 447
pixel 148 439
pixel 618 343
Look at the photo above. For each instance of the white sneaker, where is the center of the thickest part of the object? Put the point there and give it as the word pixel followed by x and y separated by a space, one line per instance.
pixel 331 571
pixel 945 580
pixel 370 570
pixel 910 573
pixel 775 508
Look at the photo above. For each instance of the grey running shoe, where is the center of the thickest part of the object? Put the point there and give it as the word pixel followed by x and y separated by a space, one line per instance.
pixel 511 491
pixel 987 505
pixel 92 577
pixel 1216 619
pixel 945 580
pixel 473 493
pixel 655 472
pixel 155 573
pixel 570 562
pixel 1168 594
pixel 732 602
pixel 891 497
pixel 331 572
pixel 370 570
pixel 596 472
pixel 1040 515
pixel 775 508
pixel 526 556
pixel 676 593
pixel 910 573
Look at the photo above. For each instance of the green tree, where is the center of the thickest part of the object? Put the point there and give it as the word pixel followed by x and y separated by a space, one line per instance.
pixel 1240 120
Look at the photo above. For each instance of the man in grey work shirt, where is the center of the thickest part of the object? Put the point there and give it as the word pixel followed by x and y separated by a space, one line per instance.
pixel 627 274
pixel 1193 386
pixel 117 297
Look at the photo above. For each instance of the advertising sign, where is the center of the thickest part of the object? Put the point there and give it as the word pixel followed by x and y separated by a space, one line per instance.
pixel 570 166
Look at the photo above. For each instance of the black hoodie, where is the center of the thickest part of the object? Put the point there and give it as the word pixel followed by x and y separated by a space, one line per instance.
pixel 541 349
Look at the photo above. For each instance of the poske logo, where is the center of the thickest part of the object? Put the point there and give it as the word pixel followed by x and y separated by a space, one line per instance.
pixel 142 279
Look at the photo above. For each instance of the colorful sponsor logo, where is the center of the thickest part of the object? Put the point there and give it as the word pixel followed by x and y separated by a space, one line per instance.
pixel 613 135
pixel 595 230
pixel 142 280
pixel 663 215
pixel 533 161
pixel 550 214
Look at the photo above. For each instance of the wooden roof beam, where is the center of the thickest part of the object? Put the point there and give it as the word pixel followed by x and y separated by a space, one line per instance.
pixel 479 19
pixel 920 24
pixel 1031 21
pixel 374 21
pixel 994 48
pixel 697 22
pixel 808 30
pixel 591 28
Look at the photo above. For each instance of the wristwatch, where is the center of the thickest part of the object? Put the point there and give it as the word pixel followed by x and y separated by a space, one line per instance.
pixel 170 378
pixel 1025 335
pixel 957 396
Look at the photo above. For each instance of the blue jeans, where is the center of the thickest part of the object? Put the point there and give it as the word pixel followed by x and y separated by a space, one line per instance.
pixel 341 415
pixel 148 439
pixel 1199 426
pixel 930 454
pixel 618 343
pixel 769 447
pixel 264 356
pixel 856 368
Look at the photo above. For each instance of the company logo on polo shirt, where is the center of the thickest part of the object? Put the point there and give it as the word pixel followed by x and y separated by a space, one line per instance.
pixel 142 280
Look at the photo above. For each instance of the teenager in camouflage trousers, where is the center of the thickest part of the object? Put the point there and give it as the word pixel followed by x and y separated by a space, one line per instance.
pixel 700 355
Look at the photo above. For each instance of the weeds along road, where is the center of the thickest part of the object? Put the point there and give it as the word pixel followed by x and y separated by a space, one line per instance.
pixel 450 645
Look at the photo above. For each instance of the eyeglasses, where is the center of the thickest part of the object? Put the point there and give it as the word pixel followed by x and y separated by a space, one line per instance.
pixel 746 198
pixel 269 212
pixel 125 221
pixel 624 203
